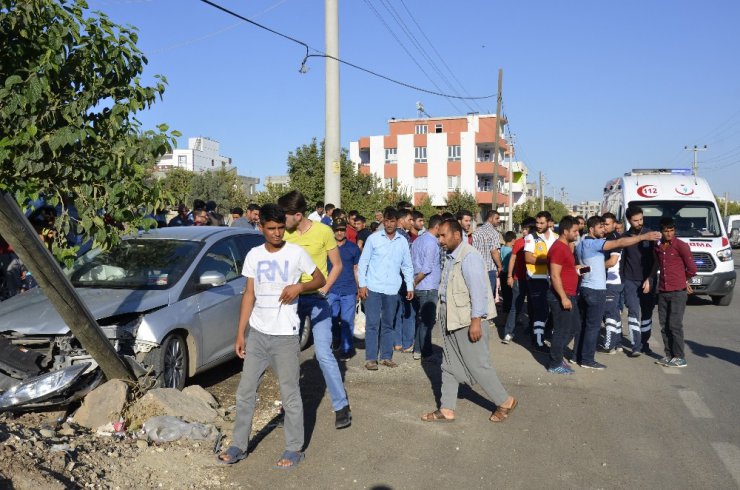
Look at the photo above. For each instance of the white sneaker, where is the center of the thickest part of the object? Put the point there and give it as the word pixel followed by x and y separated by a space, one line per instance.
pixel 507 338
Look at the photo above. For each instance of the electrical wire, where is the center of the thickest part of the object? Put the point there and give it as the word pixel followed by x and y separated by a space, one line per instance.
pixel 321 54
pixel 429 42
pixel 415 42
pixel 403 46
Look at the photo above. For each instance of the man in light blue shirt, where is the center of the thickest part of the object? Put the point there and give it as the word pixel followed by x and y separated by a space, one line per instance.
pixel 590 253
pixel 385 254
pixel 426 258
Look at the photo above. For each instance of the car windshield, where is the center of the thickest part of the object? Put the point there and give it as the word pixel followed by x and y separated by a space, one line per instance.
pixel 135 264
pixel 693 219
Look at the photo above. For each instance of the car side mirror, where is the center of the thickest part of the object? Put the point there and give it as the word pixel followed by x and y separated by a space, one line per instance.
pixel 211 279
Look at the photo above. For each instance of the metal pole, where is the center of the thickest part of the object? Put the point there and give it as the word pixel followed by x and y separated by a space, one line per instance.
pixel 542 192
pixel 332 167
pixel 510 221
pixel 494 180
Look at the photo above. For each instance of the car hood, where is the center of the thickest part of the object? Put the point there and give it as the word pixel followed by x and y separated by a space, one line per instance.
pixel 31 313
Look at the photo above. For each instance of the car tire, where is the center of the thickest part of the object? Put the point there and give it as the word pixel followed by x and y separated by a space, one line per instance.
pixel 305 333
pixel 722 300
pixel 170 362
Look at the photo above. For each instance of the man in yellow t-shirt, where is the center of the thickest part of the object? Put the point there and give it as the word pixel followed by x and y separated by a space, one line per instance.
pixel 318 240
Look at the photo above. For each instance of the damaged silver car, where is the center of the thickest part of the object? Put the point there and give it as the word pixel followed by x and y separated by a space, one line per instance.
pixel 167 299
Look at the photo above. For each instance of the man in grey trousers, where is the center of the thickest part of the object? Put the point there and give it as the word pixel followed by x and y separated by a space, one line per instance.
pixel 465 298
pixel 270 309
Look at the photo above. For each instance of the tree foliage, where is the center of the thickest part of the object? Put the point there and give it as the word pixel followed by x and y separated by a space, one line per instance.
pixel 532 206
pixel 733 207
pixel 426 208
pixel 71 86
pixel 458 201
pixel 365 193
pixel 220 186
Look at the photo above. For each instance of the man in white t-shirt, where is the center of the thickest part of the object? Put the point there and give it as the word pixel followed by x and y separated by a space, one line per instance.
pixel 270 309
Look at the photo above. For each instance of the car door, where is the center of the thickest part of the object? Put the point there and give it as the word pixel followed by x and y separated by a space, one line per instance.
pixel 218 306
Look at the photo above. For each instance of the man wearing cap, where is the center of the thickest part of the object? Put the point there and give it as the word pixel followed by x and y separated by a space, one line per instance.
pixel 342 296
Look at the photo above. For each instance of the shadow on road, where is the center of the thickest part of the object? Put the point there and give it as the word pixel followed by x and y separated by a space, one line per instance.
pixel 313 389
pixel 727 355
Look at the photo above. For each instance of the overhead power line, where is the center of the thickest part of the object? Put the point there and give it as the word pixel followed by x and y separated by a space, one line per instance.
pixel 321 54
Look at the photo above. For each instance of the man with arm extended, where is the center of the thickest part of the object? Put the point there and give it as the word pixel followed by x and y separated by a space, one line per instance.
pixel 590 253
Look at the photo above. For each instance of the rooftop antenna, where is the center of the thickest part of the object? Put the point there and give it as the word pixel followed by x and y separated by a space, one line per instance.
pixel 420 109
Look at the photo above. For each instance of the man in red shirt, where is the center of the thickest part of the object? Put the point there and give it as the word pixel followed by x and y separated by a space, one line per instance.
pixel 561 296
pixel 676 265
pixel 516 279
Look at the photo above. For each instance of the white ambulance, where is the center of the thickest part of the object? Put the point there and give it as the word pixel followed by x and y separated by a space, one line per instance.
pixel 677 194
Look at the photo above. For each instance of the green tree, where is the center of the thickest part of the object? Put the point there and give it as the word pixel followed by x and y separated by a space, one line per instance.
pixel 426 208
pixel 71 89
pixel 733 207
pixel 365 193
pixel 458 201
pixel 178 183
pixel 532 206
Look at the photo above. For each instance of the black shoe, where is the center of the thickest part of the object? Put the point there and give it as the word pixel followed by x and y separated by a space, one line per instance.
pixel 647 350
pixel 344 418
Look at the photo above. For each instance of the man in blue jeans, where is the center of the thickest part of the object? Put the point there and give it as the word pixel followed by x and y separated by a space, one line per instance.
pixel 342 296
pixel 427 271
pixel 318 240
pixel 590 254
pixel 385 259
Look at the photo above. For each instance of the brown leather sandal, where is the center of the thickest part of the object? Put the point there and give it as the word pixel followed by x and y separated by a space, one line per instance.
pixel 502 413
pixel 436 416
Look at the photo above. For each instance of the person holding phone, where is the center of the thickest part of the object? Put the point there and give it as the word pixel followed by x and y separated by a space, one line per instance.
pixel 590 254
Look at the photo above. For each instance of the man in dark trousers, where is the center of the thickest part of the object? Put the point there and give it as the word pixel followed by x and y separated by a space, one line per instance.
pixel 637 266
pixel 676 266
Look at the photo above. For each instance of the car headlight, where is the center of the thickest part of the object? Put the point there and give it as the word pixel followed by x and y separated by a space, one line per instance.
pixel 40 387
pixel 724 255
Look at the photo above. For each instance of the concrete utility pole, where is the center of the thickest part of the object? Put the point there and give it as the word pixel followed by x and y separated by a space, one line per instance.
pixel 727 198
pixel 494 180
pixel 510 221
pixel 696 150
pixel 542 192
pixel 59 291
pixel 332 167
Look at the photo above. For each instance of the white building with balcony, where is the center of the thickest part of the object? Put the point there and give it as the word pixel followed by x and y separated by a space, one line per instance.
pixel 201 154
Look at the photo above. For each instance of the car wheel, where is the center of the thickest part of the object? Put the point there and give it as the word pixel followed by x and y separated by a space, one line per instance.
pixel 722 300
pixel 305 333
pixel 170 362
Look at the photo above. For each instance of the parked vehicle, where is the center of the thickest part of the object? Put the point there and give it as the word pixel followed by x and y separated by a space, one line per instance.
pixel 168 299
pixel 688 199
pixel 732 225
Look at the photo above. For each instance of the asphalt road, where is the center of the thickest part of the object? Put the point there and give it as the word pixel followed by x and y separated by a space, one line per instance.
pixel 634 425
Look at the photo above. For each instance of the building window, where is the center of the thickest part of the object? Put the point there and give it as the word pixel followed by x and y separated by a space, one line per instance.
pixel 453 182
pixel 390 183
pixel 182 160
pixel 484 184
pixel 420 184
pixel 437 128
pixel 453 153
pixel 391 155
pixel 420 154
pixel 421 129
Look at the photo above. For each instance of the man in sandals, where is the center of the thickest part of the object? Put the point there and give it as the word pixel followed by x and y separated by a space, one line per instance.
pixel 465 299
pixel 270 307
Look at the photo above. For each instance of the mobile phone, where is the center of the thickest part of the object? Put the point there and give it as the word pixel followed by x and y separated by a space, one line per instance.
pixel 585 270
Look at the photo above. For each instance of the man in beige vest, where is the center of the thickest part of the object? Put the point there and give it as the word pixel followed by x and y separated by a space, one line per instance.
pixel 465 298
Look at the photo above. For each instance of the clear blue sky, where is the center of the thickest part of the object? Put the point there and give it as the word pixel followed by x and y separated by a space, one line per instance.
pixel 591 88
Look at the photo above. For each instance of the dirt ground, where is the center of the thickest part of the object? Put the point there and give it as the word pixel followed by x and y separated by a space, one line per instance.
pixel 44 451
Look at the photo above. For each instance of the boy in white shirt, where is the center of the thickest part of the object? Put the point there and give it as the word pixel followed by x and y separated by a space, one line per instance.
pixel 270 307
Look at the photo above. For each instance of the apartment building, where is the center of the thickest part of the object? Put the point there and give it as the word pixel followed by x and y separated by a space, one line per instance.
pixel 436 156
pixel 201 154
